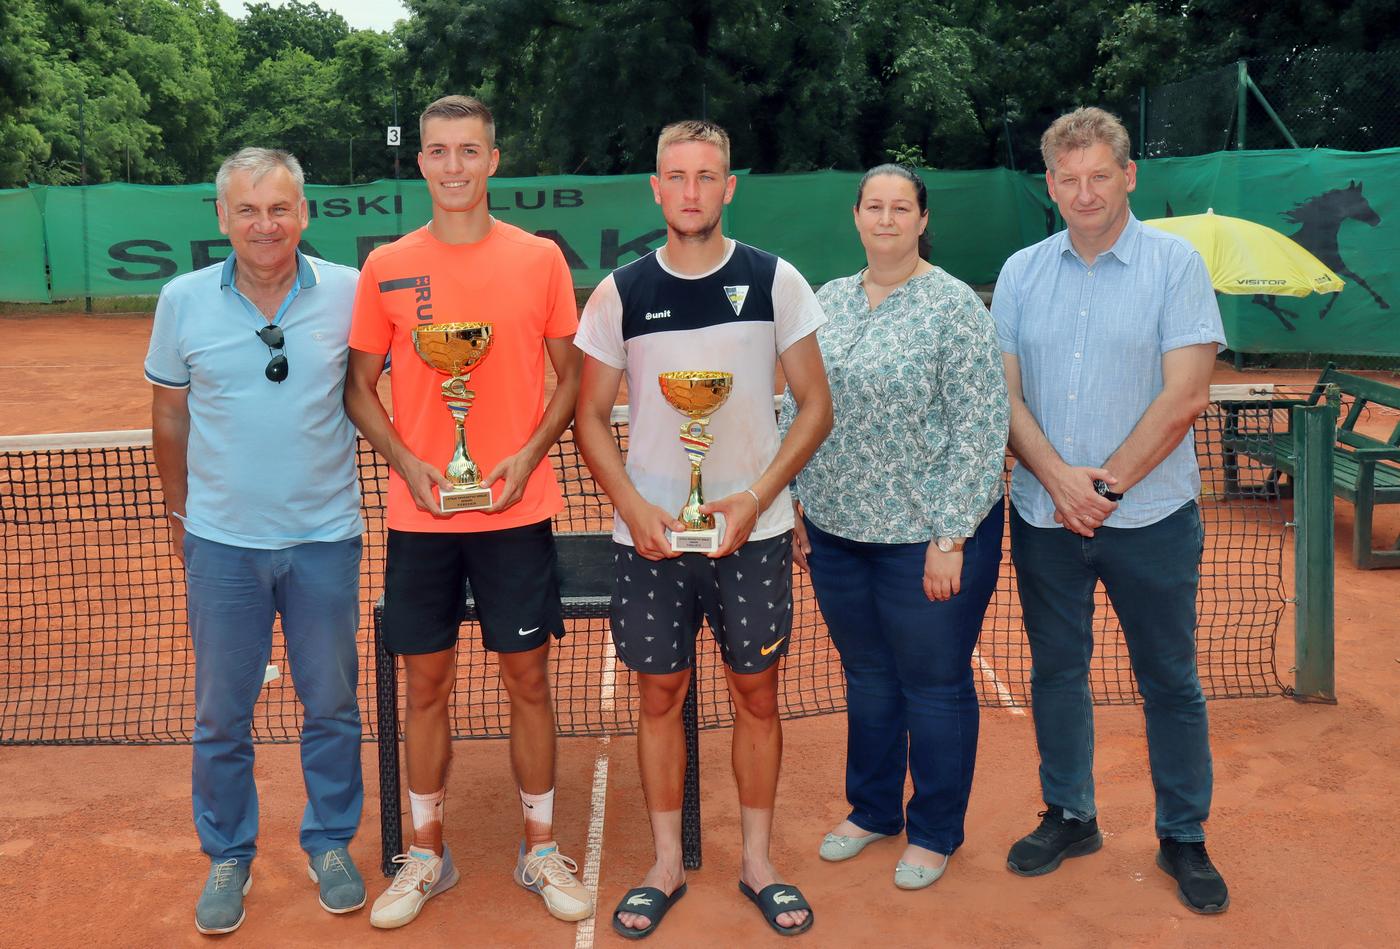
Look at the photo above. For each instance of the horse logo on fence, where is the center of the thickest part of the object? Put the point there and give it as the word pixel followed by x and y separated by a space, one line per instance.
pixel 1321 218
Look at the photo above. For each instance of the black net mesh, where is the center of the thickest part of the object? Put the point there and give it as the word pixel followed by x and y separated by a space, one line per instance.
pixel 95 650
pixel 1326 98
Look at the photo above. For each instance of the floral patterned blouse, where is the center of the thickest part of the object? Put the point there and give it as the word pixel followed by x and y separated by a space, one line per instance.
pixel 918 445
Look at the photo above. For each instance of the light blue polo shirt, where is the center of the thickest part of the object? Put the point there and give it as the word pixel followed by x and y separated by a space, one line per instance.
pixel 271 464
pixel 1090 341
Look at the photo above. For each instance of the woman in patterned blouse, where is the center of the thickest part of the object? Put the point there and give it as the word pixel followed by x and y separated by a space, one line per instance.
pixel 901 521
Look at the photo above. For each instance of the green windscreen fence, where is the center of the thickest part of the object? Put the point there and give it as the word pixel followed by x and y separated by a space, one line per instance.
pixel 120 239
pixel 22 275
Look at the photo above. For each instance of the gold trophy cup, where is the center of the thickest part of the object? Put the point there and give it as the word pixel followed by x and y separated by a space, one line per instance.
pixel 696 393
pixel 455 349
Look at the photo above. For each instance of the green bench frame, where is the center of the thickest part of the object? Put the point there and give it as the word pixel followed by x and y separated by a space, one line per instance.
pixel 1366 471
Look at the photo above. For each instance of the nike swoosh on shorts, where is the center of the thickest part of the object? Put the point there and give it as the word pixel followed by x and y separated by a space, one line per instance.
pixel 526 632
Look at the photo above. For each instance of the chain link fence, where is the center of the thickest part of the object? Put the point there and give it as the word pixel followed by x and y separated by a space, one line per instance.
pixel 1322 99
pixel 340 161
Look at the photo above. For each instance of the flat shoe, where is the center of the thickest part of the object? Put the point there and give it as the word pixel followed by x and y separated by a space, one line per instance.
pixel 907 876
pixel 837 847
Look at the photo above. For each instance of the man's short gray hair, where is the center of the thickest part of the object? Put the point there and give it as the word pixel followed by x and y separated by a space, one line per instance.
pixel 1085 127
pixel 258 162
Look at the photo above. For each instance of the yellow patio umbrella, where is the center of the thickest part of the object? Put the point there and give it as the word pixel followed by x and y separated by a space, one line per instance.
pixel 1248 258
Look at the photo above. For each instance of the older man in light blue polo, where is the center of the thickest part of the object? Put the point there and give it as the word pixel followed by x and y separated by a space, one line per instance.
pixel 257 459
pixel 1109 332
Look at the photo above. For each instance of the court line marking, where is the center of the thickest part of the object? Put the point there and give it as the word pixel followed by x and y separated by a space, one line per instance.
pixel 593 858
pixel 1003 693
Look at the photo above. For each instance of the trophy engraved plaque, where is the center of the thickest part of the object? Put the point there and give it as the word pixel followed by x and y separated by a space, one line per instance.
pixel 455 349
pixel 697 394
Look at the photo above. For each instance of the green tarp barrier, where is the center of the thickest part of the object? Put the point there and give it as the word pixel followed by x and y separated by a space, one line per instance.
pixel 22 248
pixel 977 219
pixel 123 239
pixel 1344 207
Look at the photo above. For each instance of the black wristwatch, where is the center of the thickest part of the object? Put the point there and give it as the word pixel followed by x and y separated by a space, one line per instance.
pixel 1101 488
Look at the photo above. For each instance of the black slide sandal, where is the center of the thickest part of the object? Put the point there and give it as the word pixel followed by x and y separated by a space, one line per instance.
pixel 648 902
pixel 778 898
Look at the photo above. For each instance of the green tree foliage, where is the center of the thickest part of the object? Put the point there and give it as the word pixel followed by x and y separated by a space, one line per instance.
pixel 161 90
pixel 285 99
pixel 23 80
pixel 267 31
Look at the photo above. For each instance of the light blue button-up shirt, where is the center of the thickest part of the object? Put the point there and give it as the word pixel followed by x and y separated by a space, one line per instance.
pixel 271 464
pixel 1090 340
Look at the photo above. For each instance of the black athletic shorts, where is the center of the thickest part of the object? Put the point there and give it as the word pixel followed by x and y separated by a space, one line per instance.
pixel 658 606
pixel 513 577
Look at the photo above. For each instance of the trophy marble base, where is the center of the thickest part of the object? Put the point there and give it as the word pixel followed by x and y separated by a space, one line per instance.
pixel 699 542
pixel 464 499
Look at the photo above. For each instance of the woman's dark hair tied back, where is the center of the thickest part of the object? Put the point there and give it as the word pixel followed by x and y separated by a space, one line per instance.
pixel 920 193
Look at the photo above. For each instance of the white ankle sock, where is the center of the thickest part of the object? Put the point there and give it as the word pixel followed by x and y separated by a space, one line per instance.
pixel 427 808
pixel 538 808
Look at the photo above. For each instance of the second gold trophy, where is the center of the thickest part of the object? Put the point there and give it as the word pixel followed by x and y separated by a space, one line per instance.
pixel 697 394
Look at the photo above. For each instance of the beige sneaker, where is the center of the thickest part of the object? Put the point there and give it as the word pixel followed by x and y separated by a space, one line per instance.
pixel 419 879
pixel 546 871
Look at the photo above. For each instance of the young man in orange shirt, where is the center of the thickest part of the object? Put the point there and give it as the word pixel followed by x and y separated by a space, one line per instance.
pixel 466 266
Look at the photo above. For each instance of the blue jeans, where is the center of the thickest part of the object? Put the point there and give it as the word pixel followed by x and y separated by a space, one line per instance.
pixel 910 702
pixel 233 593
pixel 1150 575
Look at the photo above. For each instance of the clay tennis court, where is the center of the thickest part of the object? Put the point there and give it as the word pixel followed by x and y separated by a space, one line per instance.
pixel 96 844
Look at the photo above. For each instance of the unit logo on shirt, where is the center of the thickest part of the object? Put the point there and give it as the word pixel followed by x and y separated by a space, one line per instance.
pixel 422 292
pixel 736 297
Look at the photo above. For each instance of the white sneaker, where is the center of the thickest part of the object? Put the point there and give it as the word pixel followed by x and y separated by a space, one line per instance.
pixel 546 871
pixel 419 879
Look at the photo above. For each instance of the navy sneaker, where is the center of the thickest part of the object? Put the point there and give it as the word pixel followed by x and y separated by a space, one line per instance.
pixel 220 906
pixel 342 888
pixel 1198 884
pixel 1057 837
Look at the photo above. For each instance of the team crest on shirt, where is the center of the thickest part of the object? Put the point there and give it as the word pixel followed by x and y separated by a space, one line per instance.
pixel 736 296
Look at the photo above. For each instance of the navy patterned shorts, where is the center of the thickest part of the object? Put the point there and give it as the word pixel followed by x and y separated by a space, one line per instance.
pixel 657 606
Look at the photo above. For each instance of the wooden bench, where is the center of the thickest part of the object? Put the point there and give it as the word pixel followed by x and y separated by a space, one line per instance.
pixel 1366 471
pixel 585 591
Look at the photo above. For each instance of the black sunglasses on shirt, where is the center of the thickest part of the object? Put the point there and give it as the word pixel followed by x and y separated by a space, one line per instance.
pixel 272 338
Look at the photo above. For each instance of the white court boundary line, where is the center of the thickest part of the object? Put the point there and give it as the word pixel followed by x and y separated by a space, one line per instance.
pixel 593 858
pixel 1003 693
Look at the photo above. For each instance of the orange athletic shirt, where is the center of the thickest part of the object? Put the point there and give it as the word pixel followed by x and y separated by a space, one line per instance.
pixel 512 279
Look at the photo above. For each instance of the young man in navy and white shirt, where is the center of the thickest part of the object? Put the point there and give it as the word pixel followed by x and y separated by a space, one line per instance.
pixel 703 302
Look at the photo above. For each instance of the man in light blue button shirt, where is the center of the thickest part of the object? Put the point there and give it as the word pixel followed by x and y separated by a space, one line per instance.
pixel 1109 332
pixel 257 461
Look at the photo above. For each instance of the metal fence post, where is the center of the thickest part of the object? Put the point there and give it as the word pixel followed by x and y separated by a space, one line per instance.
pixel 1314 434
pixel 690 804
pixel 1241 103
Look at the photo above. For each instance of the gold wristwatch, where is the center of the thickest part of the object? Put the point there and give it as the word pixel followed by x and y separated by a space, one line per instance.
pixel 950 544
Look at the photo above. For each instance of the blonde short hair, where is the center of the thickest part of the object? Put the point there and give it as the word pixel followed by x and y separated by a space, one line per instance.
pixel 1083 128
pixel 693 130
pixel 459 107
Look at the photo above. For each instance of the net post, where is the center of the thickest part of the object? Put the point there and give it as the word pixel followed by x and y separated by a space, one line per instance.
pixel 386 692
pixel 690 803
pixel 1314 434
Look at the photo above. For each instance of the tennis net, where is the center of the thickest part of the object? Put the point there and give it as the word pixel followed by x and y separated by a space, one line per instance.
pixel 95 649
